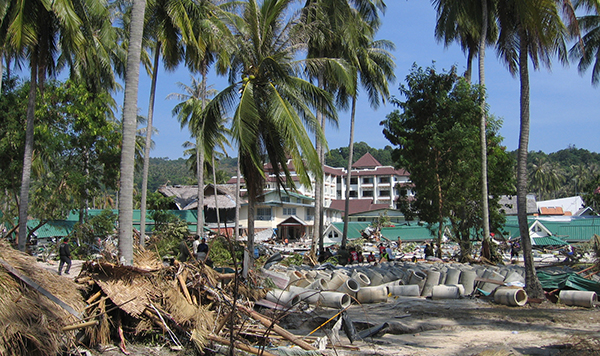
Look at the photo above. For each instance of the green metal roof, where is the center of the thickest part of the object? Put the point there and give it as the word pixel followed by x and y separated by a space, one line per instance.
pixel 407 233
pixel 573 230
pixel 354 228
pixel 53 228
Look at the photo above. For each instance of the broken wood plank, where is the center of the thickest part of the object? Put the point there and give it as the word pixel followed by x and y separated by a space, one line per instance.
pixel 186 292
pixel 80 325
pixel 40 289
pixel 276 328
pixel 239 345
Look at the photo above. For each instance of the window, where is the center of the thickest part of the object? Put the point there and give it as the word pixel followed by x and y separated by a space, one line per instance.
pixel 384 193
pixel 353 194
pixel 384 179
pixel 263 214
pixel 367 193
pixel 367 180
pixel 310 214
pixel 353 180
pixel 289 211
pixel 285 199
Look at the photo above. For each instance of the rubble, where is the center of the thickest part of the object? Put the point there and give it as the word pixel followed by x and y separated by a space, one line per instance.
pixel 190 305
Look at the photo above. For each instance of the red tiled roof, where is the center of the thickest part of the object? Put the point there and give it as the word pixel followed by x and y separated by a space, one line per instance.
pixel 356 206
pixel 333 171
pixel 366 161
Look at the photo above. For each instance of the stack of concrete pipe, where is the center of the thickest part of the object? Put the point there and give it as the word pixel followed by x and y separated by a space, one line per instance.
pixel 367 283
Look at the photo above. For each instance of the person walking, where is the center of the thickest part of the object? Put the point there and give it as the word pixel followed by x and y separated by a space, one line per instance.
pixel 64 252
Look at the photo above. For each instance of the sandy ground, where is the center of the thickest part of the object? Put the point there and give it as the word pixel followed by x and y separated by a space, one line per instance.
pixel 421 326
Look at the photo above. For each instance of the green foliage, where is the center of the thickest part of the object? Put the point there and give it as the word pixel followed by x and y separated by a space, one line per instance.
pixel 294 259
pixel 437 140
pixel 339 157
pixel 165 171
pixel 167 237
pixel 220 251
pixel 97 227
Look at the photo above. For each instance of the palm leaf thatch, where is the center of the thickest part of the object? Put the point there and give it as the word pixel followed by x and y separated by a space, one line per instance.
pixel 32 323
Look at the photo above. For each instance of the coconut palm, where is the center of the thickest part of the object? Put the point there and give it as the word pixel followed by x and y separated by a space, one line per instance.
pixel 374 64
pixel 129 129
pixel 38 31
pixel 333 23
pixel 529 30
pixel 587 51
pixel 271 104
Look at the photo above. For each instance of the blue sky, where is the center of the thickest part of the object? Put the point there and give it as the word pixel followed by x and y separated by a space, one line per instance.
pixel 564 108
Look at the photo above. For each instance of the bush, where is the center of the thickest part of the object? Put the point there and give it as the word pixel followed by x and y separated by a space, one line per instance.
pixel 220 253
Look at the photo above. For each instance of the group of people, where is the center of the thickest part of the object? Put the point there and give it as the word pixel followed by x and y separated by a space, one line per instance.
pixel 199 250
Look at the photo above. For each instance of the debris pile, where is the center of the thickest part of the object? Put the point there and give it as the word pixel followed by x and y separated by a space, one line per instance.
pixel 35 306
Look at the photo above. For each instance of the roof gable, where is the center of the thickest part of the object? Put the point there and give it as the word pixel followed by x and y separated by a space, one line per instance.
pixel 366 161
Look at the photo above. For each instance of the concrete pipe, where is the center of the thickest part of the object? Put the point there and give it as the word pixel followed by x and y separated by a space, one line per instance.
pixel 282 297
pixel 375 294
pixel 467 279
pixel 375 277
pixel 445 292
pixel 361 278
pixel 337 280
pixel 433 279
pixel 514 277
pixel 461 288
pixel 397 282
pixel 578 298
pixel 294 276
pixel 452 276
pixel 309 296
pixel 318 284
pixel 305 281
pixel 350 286
pixel 418 278
pixel 335 300
pixel 511 296
pixel 489 287
pixel 409 290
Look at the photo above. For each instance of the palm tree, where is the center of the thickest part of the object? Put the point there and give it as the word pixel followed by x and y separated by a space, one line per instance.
pixel 129 128
pixel 331 20
pixel 36 30
pixel 531 30
pixel 271 104
pixel 375 65
pixel 588 49
pixel 163 30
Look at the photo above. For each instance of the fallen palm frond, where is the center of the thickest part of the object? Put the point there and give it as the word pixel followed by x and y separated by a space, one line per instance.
pixel 31 323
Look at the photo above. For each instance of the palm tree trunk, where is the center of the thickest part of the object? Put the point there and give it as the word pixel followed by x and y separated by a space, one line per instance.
pixel 147 146
pixel 318 197
pixel 349 173
pixel 483 124
pixel 236 233
pixel 200 176
pixel 200 162
pixel 533 286
pixel 129 126
pixel 27 159
pixel 215 191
